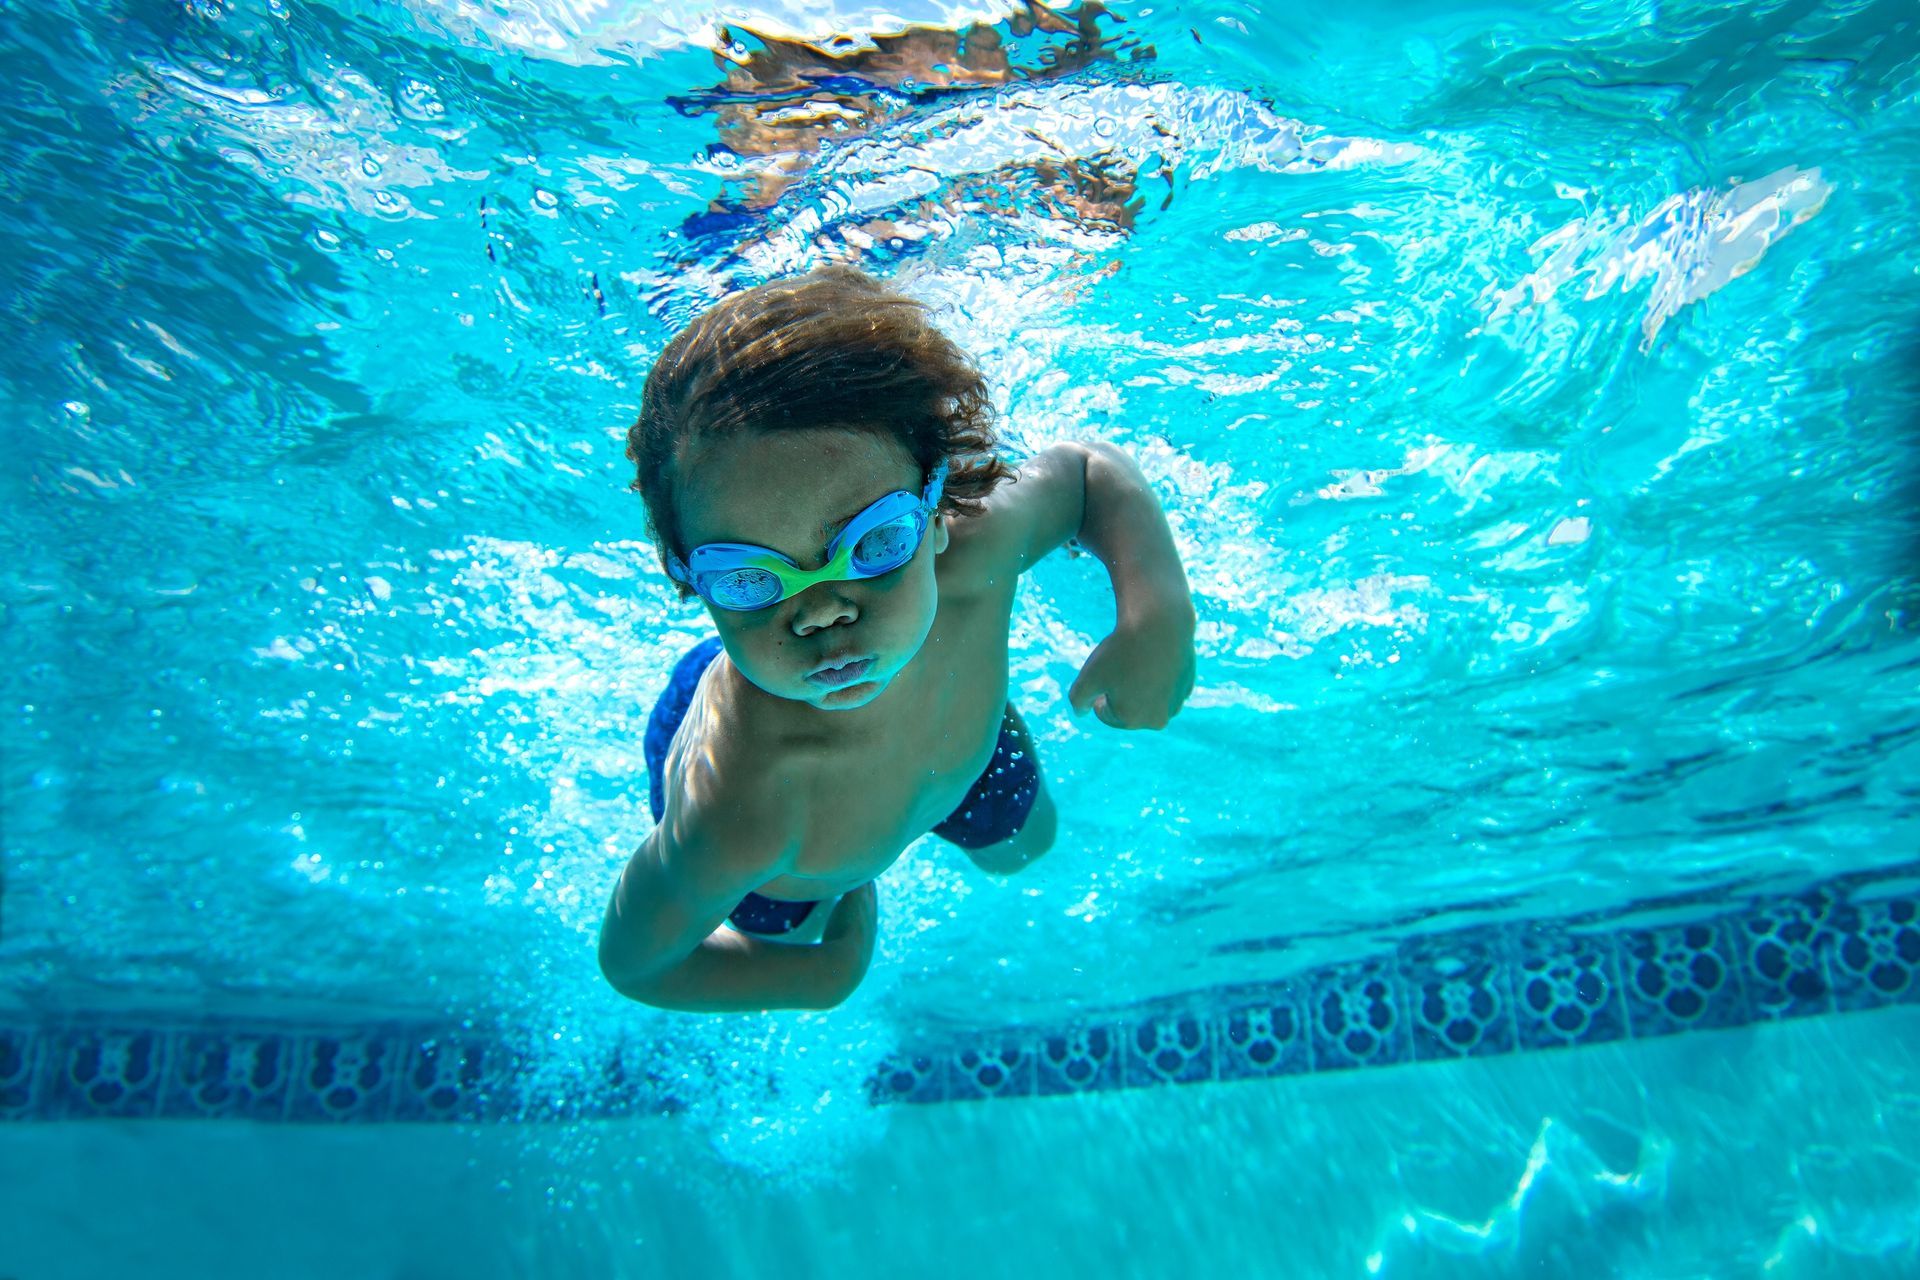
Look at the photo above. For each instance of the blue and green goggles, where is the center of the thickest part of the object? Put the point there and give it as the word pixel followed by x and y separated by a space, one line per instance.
pixel 740 576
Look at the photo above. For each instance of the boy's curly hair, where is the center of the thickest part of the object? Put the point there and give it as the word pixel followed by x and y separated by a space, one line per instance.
pixel 835 348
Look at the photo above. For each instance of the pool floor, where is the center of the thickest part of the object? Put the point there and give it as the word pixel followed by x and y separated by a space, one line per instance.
pixel 1777 1149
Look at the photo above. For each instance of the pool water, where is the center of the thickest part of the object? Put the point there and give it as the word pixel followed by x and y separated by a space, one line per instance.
pixel 1533 393
pixel 1785 1151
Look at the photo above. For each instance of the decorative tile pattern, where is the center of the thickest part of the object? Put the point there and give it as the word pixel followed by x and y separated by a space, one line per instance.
pixel 992 1066
pixel 1783 947
pixel 1079 1060
pixel 631 1080
pixel 20 1053
pixel 1168 1048
pixel 1566 988
pixel 108 1071
pixel 1680 978
pixel 1267 1037
pixel 453 1078
pixel 910 1076
pixel 345 1076
pixel 1877 961
pixel 1358 1016
pixel 229 1073
pixel 1459 995
pixel 1467 993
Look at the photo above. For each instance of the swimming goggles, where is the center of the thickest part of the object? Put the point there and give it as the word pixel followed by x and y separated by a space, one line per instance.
pixel 740 576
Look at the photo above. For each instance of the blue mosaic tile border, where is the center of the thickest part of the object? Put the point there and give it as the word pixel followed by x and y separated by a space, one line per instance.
pixel 1476 992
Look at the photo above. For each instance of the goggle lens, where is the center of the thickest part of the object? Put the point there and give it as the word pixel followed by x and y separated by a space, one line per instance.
pixel 880 549
pixel 744 589
pixel 886 547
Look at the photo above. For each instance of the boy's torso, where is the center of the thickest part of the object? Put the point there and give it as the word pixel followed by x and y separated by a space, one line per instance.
pixel 869 797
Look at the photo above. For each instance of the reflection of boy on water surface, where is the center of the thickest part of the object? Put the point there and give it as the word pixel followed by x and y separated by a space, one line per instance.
pixel 780 101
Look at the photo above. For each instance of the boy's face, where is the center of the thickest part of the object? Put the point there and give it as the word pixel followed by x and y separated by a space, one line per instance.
pixel 791 492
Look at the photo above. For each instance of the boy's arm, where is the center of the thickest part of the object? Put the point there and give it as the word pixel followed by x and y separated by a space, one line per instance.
pixel 1139 676
pixel 662 943
pixel 731 972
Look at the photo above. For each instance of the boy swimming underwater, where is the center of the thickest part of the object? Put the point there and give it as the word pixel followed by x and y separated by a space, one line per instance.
pixel 817 464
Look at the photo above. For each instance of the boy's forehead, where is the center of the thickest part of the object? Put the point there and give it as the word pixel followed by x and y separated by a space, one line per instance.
pixel 790 484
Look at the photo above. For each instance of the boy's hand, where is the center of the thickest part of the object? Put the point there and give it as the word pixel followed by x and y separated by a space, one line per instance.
pixel 1139 676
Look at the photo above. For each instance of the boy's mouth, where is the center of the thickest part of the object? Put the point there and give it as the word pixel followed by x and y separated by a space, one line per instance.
pixel 845 673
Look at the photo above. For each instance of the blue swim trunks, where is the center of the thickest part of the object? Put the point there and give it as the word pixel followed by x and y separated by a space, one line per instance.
pixel 994 810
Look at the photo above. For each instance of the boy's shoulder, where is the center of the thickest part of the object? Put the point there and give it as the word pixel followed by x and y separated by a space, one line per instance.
pixel 1024 518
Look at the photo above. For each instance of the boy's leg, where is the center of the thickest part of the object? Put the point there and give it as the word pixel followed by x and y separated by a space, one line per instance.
pixel 1034 838
pixel 1036 833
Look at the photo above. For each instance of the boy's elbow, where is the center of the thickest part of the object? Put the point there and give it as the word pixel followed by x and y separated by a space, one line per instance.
pixel 622 982
pixel 835 994
pixel 839 977
pixel 621 973
pixel 656 991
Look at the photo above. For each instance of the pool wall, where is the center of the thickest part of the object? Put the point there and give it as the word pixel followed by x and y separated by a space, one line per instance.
pixel 1846 945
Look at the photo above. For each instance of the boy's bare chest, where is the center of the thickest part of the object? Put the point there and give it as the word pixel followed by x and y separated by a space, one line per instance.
pixel 889 790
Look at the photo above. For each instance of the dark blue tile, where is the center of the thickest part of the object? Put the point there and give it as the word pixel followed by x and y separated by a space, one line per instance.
pixel 451 1077
pixel 993 1064
pixel 106 1071
pixel 631 1080
pixel 1267 1037
pixel 1681 977
pixel 1357 1016
pixel 21 1052
pixel 1566 987
pixel 344 1076
pixel 228 1072
pixel 1876 958
pixel 911 1075
pixel 1459 994
pixel 1462 994
pixel 1782 945
pixel 1077 1060
pixel 1172 1047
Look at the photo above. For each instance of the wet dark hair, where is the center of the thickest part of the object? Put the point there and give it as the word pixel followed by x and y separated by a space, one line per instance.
pixel 832 349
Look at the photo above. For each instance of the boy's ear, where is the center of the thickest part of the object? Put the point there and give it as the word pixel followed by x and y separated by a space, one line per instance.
pixel 939 534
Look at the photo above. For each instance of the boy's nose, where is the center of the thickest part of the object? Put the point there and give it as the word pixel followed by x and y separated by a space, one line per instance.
pixel 820 606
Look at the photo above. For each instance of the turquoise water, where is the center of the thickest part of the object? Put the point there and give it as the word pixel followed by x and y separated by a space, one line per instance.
pixel 1533 394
